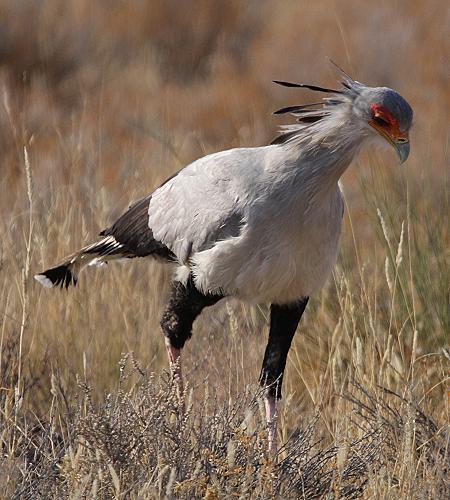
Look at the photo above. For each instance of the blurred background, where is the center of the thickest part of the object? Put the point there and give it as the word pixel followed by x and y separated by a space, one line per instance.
pixel 110 97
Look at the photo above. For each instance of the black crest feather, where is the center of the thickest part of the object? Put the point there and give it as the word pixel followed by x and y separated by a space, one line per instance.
pixel 296 109
pixel 307 86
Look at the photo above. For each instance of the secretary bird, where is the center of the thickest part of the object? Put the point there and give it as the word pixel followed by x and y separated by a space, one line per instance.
pixel 261 224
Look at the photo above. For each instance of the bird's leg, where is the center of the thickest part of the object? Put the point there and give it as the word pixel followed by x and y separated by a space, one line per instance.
pixel 283 323
pixel 184 305
pixel 270 404
pixel 174 355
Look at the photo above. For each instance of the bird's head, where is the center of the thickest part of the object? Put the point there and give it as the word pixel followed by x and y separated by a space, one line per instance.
pixel 377 112
pixel 387 115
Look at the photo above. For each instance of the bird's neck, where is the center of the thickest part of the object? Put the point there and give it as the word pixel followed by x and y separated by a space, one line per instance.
pixel 326 150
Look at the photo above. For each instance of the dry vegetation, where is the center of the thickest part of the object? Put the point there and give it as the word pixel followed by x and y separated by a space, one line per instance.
pixel 100 101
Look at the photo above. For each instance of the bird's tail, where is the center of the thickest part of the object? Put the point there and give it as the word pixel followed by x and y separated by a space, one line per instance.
pixel 66 273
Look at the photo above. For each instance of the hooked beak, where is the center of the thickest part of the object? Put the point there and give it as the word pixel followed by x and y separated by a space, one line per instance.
pixel 397 139
pixel 402 149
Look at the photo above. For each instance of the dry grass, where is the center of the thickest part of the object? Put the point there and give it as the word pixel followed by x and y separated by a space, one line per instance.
pixel 135 444
pixel 100 101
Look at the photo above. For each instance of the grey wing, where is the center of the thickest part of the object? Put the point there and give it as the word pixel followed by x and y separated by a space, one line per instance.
pixel 195 209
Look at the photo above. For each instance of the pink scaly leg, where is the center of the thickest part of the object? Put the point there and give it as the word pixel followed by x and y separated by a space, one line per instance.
pixel 270 403
pixel 175 366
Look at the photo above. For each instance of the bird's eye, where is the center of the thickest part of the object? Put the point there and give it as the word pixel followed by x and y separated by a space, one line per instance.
pixel 380 121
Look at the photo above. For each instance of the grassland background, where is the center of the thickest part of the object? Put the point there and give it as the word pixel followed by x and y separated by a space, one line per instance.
pixel 111 97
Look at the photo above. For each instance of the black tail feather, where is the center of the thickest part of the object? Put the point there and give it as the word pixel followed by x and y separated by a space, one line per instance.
pixel 60 276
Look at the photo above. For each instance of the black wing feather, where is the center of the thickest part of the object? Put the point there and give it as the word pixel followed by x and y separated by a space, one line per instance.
pixel 132 231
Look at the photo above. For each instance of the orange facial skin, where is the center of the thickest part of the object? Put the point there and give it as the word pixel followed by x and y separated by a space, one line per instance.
pixel 386 125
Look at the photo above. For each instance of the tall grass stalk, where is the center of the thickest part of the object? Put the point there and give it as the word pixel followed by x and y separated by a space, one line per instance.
pixel 25 274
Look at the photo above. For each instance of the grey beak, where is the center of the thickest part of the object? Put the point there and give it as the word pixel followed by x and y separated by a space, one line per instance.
pixel 402 149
